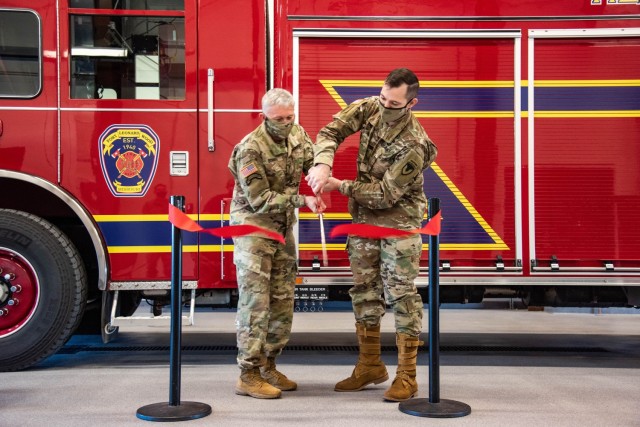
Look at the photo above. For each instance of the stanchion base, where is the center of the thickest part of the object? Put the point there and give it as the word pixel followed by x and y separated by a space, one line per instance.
pixel 443 409
pixel 182 412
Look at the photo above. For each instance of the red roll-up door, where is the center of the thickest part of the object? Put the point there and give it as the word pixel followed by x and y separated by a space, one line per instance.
pixel 586 151
pixel 466 105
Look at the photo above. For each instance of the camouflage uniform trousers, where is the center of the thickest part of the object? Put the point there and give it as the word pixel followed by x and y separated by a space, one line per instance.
pixel 266 273
pixel 391 265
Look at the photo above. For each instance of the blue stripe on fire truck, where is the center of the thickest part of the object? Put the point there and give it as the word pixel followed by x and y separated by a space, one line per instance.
pixel 552 98
pixel 152 233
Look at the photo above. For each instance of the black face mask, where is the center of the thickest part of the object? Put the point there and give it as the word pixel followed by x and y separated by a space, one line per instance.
pixel 388 115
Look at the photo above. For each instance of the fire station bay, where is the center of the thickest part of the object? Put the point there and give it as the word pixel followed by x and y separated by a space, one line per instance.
pixel 328 212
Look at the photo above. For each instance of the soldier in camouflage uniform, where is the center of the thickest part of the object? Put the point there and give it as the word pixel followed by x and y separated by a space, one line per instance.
pixel 388 191
pixel 267 166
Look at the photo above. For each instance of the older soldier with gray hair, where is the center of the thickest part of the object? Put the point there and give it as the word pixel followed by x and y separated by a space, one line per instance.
pixel 267 166
pixel 388 191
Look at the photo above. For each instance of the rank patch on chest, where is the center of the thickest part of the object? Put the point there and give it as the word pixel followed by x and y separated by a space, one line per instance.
pixel 248 170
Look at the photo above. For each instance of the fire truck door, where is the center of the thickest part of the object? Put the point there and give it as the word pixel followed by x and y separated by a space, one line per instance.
pixel 468 105
pixel 232 75
pixel 129 126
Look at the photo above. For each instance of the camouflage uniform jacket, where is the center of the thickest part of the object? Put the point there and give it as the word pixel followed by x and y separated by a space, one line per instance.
pixel 267 178
pixel 388 190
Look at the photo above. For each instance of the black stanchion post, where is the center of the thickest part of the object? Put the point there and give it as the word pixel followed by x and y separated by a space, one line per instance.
pixel 434 407
pixel 434 309
pixel 175 410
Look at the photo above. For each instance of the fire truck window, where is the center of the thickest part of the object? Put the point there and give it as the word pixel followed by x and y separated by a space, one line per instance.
pixel 128 4
pixel 20 54
pixel 127 57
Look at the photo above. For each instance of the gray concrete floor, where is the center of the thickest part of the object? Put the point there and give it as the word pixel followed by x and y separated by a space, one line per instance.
pixel 512 367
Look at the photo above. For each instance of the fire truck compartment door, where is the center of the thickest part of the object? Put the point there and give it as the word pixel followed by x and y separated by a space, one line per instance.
pixel 584 119
pixel 468 103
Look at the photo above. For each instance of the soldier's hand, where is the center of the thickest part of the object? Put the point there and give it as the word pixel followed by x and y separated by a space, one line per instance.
pixel 315 203
pixel 331 185
pixel 320 205
pixel 317 177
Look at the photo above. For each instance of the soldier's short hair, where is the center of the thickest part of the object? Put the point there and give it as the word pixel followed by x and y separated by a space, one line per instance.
pixel 399 76
pixel 277 96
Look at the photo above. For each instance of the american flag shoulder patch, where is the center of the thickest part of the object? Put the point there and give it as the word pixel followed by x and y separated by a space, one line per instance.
pixel 248 170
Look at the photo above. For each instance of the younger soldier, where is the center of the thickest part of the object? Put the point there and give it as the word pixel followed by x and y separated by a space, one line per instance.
pixel 388 191
pixel 267 166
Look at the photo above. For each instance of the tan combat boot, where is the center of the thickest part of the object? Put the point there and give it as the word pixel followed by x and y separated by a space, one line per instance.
pixel 404 385
pixel 252 384
pixel 275 377
pixel 369 369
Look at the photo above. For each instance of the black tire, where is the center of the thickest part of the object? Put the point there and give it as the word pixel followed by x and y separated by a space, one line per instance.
pixel 60 282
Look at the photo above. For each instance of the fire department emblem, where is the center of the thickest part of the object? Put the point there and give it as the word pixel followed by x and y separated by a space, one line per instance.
pixel 129 158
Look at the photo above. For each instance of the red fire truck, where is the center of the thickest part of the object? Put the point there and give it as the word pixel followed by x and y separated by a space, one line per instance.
pixel 108 107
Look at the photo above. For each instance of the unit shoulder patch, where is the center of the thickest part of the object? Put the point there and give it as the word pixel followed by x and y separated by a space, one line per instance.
pixel 408 168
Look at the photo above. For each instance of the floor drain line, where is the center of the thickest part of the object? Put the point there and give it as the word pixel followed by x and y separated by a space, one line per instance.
pixel 73 349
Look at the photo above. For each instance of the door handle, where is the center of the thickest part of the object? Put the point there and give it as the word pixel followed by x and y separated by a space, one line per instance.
pixel 211 145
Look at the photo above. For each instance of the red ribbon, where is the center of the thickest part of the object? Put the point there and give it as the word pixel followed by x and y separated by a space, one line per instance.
pixel 374 232
pixel 183 222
